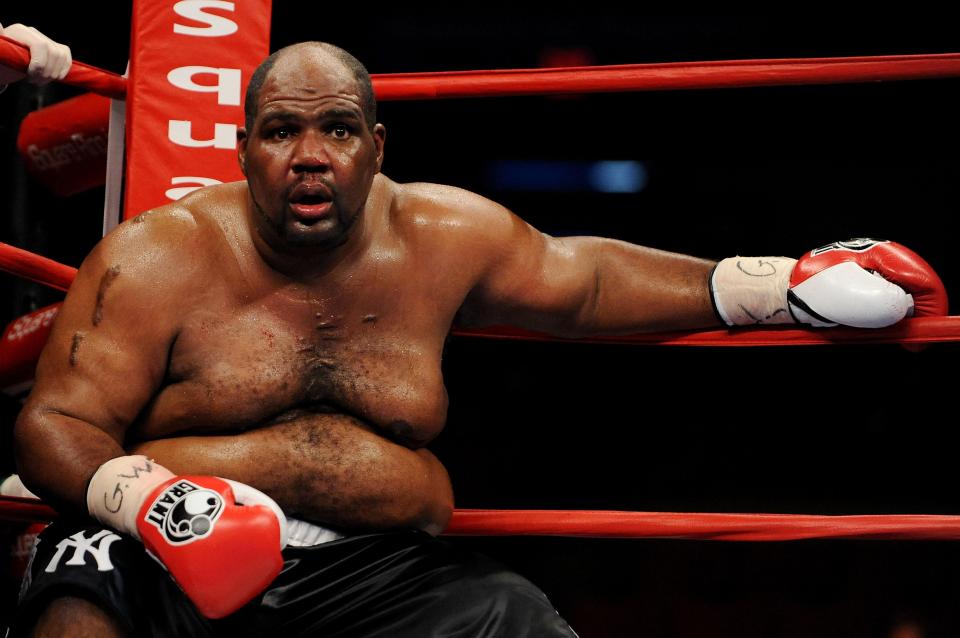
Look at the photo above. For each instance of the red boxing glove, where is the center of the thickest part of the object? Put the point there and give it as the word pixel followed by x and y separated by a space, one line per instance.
pixel 221 554
pixel 838 284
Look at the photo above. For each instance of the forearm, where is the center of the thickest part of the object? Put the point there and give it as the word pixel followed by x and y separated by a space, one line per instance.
pixel 639 289
pixel 57 454
pixel 325 468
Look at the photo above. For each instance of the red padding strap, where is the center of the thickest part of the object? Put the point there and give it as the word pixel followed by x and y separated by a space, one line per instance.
pixel 21 345
pixel 25 510
pixel 64 145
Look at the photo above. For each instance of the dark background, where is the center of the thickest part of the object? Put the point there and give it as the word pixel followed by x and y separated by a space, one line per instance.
pixel 831 430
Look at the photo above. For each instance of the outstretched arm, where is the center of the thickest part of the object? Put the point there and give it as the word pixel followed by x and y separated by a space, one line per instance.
pixel 578 286
pixel 583 286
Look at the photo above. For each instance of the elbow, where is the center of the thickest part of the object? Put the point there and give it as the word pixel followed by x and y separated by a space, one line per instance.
pixel 588 319
pixel 26 436
pixel 584 317
pixel 56 455
pixel 436 516
pixel 31 445
pixel 433 513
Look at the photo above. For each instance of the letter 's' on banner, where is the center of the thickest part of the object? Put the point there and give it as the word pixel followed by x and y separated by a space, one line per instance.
pixel 190 61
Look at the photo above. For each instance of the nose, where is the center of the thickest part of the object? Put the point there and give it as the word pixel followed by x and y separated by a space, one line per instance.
pixel 310 153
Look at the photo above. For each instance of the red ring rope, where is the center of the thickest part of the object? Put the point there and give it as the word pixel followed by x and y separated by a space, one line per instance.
pixel 613 524
pixel 625 77
pixel 17 57
pixel 670 76
pixel 715 527
pixel 919 330
pixel 36 268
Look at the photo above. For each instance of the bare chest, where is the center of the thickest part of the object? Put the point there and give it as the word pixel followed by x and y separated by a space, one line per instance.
pixel 269 360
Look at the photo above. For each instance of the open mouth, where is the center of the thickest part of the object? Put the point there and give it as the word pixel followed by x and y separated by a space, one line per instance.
pixel 309 202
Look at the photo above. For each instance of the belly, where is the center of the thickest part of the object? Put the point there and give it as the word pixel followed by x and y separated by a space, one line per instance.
pixel 396 388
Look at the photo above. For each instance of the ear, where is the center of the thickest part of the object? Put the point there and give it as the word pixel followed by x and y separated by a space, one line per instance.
pixel 242 149
pixel 379 140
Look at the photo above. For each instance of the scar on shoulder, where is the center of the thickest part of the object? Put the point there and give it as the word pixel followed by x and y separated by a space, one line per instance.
pixel 105 282
pixel 75 348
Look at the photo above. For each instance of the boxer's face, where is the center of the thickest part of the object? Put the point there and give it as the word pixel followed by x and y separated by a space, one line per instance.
pixel 311 157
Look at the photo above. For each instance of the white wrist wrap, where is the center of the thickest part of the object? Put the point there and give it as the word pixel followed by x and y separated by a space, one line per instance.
pixel 752 290
pixel 119 487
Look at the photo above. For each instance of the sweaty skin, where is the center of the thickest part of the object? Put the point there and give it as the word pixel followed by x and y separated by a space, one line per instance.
pixel 287 331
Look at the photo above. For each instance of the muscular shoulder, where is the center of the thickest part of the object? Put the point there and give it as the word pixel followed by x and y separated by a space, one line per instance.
pixel 158 256
pixel 454 216
pixel 166 246
pixel 474 242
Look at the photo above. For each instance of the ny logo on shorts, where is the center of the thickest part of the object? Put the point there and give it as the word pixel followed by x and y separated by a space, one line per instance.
pixel 97 546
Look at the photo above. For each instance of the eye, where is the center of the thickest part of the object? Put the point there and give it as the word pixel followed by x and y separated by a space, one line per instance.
pixel 280 133
pixel 340 131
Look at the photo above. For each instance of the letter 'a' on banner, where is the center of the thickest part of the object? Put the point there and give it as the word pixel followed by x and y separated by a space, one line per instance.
pixel 190 61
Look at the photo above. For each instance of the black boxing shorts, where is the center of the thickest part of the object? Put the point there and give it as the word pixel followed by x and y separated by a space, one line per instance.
pixel 399 584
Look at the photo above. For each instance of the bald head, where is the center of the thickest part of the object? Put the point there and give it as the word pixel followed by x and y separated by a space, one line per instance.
pixel 351 65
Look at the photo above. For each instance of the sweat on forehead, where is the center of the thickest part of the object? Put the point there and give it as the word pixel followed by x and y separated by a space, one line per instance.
pixel 321 52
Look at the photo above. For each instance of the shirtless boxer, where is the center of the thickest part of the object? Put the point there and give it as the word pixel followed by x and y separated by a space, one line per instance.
pixel 286 332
